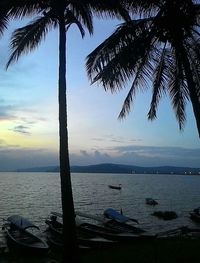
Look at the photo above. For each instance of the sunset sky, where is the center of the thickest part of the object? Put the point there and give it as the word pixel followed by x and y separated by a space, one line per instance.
pixel 29 113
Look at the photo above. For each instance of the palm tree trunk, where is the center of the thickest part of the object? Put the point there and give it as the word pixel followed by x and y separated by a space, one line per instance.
pixel 191 86
pixel 69 229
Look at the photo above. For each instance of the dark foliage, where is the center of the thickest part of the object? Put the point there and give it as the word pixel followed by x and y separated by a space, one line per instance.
pixel 158 49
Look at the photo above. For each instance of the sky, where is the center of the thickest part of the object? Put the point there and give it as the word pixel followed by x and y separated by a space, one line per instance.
pixel 29 113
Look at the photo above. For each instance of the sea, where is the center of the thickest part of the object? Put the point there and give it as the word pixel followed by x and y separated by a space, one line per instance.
pixel 36 195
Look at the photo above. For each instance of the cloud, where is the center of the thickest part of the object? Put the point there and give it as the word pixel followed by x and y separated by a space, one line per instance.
pixel 16 73
pixel 140 155
pixel 87 158
pixel 111 138
pixel 84 153
pixel 152 155
pixel 2 143
pixel 12 111
pixel 97 139
pixel 19 115
pixel 15 157
pixel 21 129
pixel 158 151
pixel 6 112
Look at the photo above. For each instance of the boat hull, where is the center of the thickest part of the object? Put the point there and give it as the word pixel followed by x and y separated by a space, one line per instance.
pixel 85 239
pixel 37 247
pixel 112 234
pixel 115 187
pixel 23 236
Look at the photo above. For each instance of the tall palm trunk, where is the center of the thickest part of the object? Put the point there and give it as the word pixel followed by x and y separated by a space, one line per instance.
pixel 69 231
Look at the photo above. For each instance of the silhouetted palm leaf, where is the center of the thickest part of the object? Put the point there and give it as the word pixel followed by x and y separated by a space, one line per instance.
pixel 159 82
pixel 3 21
pixel 165 32
pixel 70 19
pixel 21 8
pixel 178 90
pixel 83 13
pixel 27 38
pixel 108 62
pixel 111 8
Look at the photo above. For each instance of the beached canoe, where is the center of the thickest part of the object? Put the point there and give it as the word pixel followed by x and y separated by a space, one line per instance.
pixel 23 236
pixel 85 239
pixel 92 234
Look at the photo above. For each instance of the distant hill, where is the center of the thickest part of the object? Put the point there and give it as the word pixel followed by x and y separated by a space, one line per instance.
pixel 131 169
pixel 118 168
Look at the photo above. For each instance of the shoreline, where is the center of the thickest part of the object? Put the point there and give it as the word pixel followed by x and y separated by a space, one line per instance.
pixel 165 250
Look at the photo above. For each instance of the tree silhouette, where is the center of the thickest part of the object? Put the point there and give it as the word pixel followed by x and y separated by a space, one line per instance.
pixel 50 14
pixel 159 49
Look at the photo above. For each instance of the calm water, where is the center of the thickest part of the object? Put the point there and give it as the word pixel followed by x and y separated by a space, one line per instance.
pixel 35 195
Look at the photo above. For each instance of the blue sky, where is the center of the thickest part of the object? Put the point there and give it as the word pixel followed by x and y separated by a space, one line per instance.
pixel 29 113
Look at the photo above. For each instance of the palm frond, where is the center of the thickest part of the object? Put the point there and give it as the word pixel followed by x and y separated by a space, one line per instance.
pixel 27 38
pixel 3 21
pixel 118 53
pixel 110 9
pixel 159 81
pixel 117 71
pixel 19 8
pixel 82 12
pixel 70 19
pixel 191 84
pixel 143 7
pixel 178 90
pixel 193 48
pixel 119 58
pixel 139 81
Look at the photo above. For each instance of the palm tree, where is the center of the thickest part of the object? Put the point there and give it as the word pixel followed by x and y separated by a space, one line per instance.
pixel 160 49
pixel 59 14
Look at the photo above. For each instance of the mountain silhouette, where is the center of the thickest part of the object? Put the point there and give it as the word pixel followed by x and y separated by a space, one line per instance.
pixel 118 168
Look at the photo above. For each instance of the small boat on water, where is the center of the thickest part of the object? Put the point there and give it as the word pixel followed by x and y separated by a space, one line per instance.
pixel 117 187
pixel 23 235
pixel 195 215
pixel 151 201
